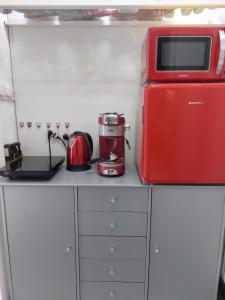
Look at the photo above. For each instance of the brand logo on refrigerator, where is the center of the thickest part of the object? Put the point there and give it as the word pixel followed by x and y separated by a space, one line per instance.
pixel 195 102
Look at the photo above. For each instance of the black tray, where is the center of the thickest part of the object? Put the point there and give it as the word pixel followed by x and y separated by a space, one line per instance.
pixel 32 167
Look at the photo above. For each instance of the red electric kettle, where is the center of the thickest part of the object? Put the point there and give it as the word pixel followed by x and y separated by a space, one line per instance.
pixel 79 151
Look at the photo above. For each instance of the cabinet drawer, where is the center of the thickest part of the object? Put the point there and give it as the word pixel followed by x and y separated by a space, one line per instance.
pixel 113 199
pixel 115 223
pixel 100 247
pixel 112 290
pixel 112 270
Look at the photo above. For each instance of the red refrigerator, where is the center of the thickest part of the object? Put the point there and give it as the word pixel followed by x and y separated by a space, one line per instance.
pixel 181 133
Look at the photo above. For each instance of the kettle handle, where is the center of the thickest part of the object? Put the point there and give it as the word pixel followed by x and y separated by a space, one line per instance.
pixel 90 140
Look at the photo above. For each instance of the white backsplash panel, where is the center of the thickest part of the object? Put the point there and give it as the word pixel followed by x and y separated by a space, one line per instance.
pixel 6 89
pixel 71 74
pixel 8 132
pixel 7 109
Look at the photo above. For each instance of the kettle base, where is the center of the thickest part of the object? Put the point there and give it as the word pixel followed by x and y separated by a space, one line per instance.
pixel 78 168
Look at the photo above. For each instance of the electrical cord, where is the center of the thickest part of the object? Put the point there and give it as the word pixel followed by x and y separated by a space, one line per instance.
pixel 50 150
pixel 50 135
pixel 56 136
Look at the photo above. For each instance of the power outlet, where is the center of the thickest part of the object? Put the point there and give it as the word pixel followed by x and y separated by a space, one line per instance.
pixel 67 125
pixel 48 125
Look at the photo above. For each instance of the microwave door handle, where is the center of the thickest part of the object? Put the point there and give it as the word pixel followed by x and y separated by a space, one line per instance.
pixel 222 52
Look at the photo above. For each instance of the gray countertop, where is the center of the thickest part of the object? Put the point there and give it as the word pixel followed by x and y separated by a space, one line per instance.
pixel 87 178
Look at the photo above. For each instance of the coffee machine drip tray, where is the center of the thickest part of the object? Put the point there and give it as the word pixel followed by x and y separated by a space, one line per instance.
pixel 32 167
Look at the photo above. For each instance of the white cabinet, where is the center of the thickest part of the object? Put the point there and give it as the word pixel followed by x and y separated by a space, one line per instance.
pixel 186 228
pixel 41 236
pixel 113 227
pixel 183 233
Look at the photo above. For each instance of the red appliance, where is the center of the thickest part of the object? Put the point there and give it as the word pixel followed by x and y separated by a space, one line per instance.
pixel 79 151
pixel 184 54
pixel 181 125
pixel 181 136
pixel 111 144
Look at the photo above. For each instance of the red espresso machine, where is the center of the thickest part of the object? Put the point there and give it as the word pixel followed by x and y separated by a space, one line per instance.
pixel 112 144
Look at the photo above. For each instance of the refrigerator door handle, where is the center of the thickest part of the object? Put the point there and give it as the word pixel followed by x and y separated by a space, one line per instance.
pixel 222 53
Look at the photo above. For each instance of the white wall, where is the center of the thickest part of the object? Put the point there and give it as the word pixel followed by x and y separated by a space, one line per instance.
pixel 72 74
pixel 7 125
pixel 7 113
pixel 5 70
pixel 7 122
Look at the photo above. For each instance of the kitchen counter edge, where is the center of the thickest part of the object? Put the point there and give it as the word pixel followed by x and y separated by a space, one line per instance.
pixel 87 178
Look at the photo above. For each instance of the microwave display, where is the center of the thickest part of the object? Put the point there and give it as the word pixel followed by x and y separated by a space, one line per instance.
pixel 183 53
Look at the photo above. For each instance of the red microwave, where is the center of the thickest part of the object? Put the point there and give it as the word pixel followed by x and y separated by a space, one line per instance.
pixel 184 54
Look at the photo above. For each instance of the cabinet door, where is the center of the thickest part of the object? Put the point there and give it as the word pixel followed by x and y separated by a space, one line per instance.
pixel 185 243
pixel 40 223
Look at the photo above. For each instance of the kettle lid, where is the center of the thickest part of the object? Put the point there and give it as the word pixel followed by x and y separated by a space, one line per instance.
pixel 79 133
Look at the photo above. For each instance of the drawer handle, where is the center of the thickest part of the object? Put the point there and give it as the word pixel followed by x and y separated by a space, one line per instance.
pixel 112 272
pixel 68 249
pixel 112 293
pixel 113 224
pixel 112 249
pixel 156 250
pixel 113 200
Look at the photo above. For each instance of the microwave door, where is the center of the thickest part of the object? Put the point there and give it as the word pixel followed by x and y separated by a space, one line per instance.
pixel 183 53
pixel 184 133
pixel 221 61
